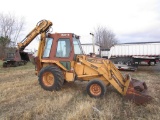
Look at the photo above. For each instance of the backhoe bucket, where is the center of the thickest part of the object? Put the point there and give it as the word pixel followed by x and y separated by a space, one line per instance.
pixel 137 92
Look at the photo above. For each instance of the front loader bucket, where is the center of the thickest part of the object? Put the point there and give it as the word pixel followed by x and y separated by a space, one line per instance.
pixel 137 92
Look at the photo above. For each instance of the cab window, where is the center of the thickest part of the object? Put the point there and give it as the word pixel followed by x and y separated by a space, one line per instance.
pixel 47 47
pixel 63 48
pixel 77 46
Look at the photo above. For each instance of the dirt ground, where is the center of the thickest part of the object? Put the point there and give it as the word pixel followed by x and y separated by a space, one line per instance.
pixel 21 97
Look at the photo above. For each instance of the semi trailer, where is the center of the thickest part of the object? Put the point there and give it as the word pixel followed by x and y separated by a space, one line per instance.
pixel 133 54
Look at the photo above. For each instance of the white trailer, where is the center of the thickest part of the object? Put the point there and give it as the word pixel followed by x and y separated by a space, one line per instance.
pixel 105 53
pixel 135 53
pixel 88 48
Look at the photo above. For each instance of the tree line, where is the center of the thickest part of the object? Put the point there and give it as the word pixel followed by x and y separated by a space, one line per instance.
pixel 10 29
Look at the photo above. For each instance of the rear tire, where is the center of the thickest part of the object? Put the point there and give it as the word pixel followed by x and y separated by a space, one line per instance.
pixel 96 88
pixel 51 78
pixel 150 63
pixel 15 64
pixel 4 64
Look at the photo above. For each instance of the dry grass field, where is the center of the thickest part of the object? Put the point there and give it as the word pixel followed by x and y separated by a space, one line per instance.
pixel 22 98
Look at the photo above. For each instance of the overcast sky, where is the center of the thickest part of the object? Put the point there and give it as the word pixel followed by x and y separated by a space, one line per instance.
pixel 130 20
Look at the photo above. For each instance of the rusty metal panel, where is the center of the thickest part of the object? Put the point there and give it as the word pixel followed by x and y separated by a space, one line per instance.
pixel 137 92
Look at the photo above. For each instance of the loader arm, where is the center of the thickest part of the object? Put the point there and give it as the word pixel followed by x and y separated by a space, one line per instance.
pixel 109 72
pixel 42 26
pixel 105 71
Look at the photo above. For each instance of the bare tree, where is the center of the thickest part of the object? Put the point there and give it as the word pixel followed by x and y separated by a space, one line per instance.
pixel 105 37
pixel 10 29
pixel 18 28
pixel 11 26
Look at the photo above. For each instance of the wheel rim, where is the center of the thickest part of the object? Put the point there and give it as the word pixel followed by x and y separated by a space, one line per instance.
pixel 48 79
pixel 95 89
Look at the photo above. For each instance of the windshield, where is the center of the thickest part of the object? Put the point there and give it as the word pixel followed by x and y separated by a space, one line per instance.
pixel 77 46
pixel 47 47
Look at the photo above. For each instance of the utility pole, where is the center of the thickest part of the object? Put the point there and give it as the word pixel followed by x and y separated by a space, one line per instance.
pixel 93 42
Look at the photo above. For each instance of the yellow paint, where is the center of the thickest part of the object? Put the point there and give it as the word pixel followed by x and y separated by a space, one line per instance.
pixel 79 68
pixel 69 76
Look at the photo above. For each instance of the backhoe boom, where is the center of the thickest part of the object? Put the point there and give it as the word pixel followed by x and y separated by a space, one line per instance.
pixel 42 26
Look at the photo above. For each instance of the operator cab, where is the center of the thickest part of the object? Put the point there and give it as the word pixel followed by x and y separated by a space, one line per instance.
pixel 62 47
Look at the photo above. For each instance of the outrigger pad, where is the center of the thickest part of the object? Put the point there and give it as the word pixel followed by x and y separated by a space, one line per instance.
pixel 137 92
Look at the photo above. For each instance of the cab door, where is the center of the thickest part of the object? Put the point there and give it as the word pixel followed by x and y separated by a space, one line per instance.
pixel 62 49
pixel 63 52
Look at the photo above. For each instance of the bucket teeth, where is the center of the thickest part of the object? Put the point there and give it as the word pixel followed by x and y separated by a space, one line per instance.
pixel 137 92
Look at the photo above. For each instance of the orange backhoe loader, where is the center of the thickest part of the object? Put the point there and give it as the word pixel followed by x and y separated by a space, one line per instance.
pixel 60 58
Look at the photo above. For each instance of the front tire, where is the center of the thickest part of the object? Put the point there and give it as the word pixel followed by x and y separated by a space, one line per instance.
pixel 51 78
pixel 96 88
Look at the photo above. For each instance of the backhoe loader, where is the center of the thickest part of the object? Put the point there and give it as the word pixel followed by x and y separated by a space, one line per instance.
pixel 60 59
